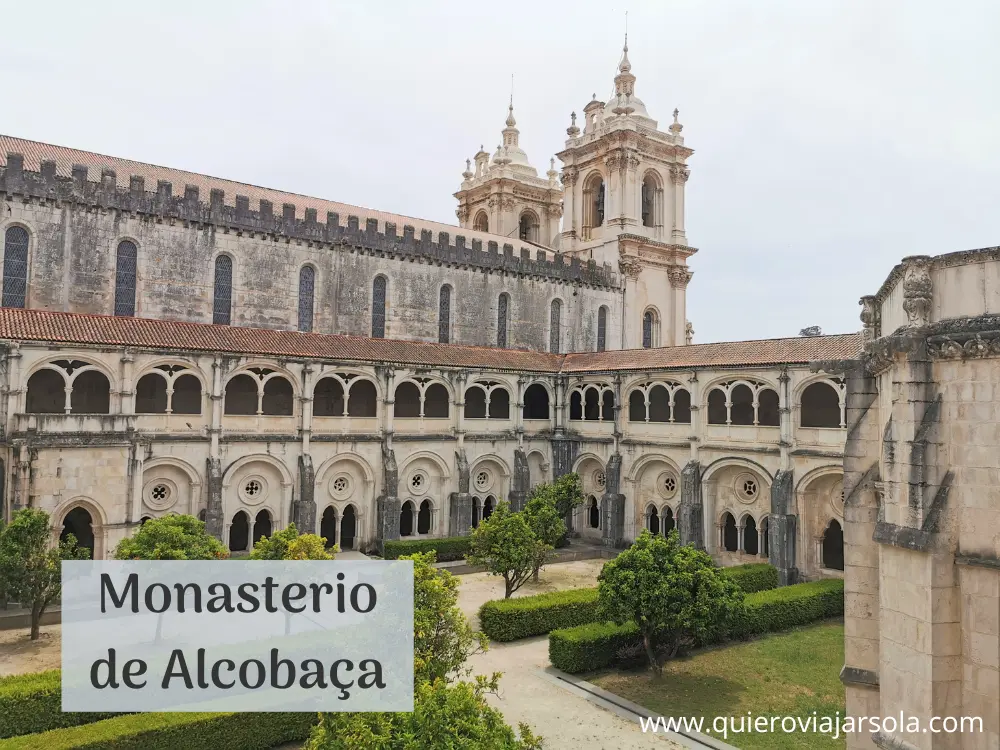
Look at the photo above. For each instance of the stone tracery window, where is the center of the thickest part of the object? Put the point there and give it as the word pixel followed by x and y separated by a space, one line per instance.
pixel 650 329
pixel 168 389
pixel 259 391
pixel 660 401
pixel 503 304
pixel 444 315
pixel 222 301
pixel 378 307
pixel 126 261
pixel 421 398
pixel 555 326
pixel 487 400
pixel 743 402
pixel 307 290
pixel 602 328
pixel 15 267
pixel 68 387
pixel 592 402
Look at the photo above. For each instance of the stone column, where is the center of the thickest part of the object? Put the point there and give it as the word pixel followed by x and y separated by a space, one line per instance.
pixel 690 520
pixel 782 527
pixel 613 504
pixel 387 504
pixel 679 277
pixel 680 175
pixel 214 518
pixel 304 508
pixel 460 516
pixel 520 481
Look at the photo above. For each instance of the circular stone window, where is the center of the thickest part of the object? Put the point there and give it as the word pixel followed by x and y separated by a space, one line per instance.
pixel 341 486
pixel 483 480
pixel 253 490
pixel 160 494
pixel 837 498
pixel 666 485
pixel 419 484
pixel 600 479
pixel 747 488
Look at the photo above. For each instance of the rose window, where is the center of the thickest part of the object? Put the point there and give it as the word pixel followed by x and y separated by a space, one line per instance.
pixel 418 483
pixel 253 488
pixel 669 485
pixel 600 479
pixel 483 480
pixel 160 493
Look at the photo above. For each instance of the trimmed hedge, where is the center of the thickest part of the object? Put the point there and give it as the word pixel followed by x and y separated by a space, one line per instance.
pixel 510 619
pixel 32 703
pixel 168 731
pixel 448 549
pixel 588 647
pixel 753 577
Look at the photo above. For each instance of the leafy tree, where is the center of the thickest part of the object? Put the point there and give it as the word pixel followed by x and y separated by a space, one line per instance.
pixel 442 636
pixel 506 546
pixel 566 493
pixel 289 544
pixel 30 568
pixel 171 538
pixel 545 522
pixel 444 717
pixel 674 593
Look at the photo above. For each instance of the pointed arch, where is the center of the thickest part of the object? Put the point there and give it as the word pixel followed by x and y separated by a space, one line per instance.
pixel 222 298
pixel 126 268
pixel 307 292
pixel 15 266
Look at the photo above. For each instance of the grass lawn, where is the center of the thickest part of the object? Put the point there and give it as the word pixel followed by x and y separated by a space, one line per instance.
pixel 783 674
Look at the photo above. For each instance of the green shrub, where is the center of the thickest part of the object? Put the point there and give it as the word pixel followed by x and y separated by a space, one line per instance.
pixel 753 577
pixel 448 549
pixel 33 703
pixel 510 619
pixel 589 647
pixel 167 731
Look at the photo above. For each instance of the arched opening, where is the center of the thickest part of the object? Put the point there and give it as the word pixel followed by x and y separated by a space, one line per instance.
pixel 741 411
pixel 528 227
pixel 489 504
pixel 482 222
pixel 186 398
pixel 15 267
pixel 261 526
pixel 594 198
pixel 151 395
pixel 362 399
pixel 749 535
pixel 407 400
pixel 536 402
pixel 126 262
pixel 602 328
pixel 348 528
pixel 765 542
pixel 767 408
pixel 477 511
pixel 475 403
pixel 608 406
pixel 667 521
pixel 576 405
pixel 637 406
pixel 716 406
pixel 80 524
pixel 682 406
pixel 328 526
pixel 202 515
pixel 648 201
pixel 91 394
pixel 652 520
pixel 499 404
pixel 46 393
pixel 730 534
pixel 142 521
pixel 222 299
pixel 591 404
pixel 307 288
pixel 328 398
pixel 820 406
pixel 424 518
pixel 659 404
pixel 436 401
pixel 444 315
pixel 241 396
pixel 406 519
pixel 650 329
pixel 278 398
pixel 833 546
pixel 239 533
pixel 594 514
pixel 379 295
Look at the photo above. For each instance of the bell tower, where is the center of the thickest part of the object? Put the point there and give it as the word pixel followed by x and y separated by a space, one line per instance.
pixel 623 181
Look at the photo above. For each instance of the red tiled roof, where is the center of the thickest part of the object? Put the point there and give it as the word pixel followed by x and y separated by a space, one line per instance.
pixel 144 333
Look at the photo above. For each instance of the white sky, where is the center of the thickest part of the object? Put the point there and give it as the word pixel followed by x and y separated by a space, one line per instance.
pixel 832 138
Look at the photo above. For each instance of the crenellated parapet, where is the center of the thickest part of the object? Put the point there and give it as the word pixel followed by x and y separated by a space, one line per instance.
pixel 290 223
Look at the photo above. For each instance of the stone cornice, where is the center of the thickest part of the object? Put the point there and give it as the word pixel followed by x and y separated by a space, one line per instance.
pixel 948 260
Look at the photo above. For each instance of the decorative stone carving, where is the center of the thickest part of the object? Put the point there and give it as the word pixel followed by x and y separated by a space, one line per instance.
pixel 917 290
pixel 632 160
pixel 569 175
pixel 507 204
pixel 679 173
pixel 614 160
pixel 555 210
pixel 679 277
pixel 688 333
pixel 870 317
pixel 462 213
pixel 985 344
pixel 631 267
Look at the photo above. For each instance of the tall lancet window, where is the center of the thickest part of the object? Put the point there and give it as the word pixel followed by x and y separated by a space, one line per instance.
pixel 602 328
pixel 502 306
pixel 378 307
pixel 125 271
pixel 222 304
pixel 555 326
pixel 307 290
pixel 648 201
pixel 15 267
pixel 648 329
pixel 599 205
pixel 444 315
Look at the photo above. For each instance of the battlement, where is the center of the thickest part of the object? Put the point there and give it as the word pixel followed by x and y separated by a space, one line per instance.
pixel 139 198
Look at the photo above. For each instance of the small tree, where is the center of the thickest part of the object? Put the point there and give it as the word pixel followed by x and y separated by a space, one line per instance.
pixel 545 522
pixel 566 493
pixel 506 546
pixel 289 544
pixel 674 593
pixel 171 538
pixel 31 569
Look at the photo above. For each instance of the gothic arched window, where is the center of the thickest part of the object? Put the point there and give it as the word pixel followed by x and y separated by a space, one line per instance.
pixel 307 288
pixel 602 328
pixel 444 315
pixel 378 307
pixel 555 326
pixel 649 201
pixel 125 272
pixel 502 306
pixel 482 222
pixel 15 267
pixel 222 304
pixel 650 329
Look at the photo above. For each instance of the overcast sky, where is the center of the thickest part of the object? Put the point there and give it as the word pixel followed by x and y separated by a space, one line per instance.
pixel 831 138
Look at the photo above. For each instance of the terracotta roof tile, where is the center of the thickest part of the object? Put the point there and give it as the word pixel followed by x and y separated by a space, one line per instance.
pixel 72 328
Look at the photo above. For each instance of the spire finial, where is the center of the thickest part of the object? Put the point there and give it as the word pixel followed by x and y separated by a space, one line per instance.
pixel 676 127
